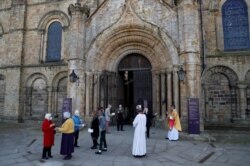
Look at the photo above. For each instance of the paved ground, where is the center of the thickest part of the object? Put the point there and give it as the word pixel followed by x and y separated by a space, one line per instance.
pixel 21 145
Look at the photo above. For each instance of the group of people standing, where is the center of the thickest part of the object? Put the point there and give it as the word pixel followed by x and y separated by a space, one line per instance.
pixel 99 126
pixel 70 133
pixel 142 123
pixel 119 114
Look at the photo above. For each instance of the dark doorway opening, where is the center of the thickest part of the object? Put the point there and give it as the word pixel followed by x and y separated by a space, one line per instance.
pixel 135 84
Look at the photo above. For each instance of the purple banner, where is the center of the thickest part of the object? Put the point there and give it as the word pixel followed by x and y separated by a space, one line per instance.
pixel 193 116
pixel 67 106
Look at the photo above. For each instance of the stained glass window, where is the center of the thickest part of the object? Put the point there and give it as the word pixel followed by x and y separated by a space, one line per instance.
pixel 54 42
pixel 235 25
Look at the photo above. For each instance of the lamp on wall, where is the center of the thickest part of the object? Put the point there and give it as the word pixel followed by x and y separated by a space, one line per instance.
pixel 73 77
pixel 181 74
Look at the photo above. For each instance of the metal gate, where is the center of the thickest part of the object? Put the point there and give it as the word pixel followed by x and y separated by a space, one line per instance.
pixel 142 88
pixel 111 89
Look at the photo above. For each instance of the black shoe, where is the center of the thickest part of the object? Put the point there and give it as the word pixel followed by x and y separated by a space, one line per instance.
pixel 45 158
pixel 67 157
pixel 50 156
pixel 76 146
pixel 105 149
pixel 93 147
pixel 98 152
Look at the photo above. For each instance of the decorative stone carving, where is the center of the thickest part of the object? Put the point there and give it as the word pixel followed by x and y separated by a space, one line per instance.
pixel 73 9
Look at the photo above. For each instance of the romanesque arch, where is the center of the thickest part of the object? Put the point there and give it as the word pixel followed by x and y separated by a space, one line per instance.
pixel 53 15
pixel 115 44
pixel 43 27
pixel 59 92
pixel 36 104
pixel 219 95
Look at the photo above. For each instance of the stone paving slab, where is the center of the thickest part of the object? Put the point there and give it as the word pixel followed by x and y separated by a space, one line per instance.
pixel 21 145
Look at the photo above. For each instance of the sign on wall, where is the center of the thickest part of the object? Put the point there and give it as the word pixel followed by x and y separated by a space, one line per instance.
pixel 193 116
pixel 67 106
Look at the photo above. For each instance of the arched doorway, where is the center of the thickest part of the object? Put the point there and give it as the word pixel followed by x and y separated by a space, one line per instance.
pixel 134 84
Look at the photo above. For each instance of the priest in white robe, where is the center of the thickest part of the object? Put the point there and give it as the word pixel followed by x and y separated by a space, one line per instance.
pixel 139 143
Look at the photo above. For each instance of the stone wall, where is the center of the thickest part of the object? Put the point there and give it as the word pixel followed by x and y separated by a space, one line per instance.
pixel 166 34
pixel 215 57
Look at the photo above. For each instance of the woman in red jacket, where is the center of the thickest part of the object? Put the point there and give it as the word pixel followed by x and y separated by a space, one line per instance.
pixel 48 136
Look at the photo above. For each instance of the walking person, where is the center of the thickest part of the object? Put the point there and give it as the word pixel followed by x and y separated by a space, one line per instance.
pixel 102 127
pixel 107 116
pixel 78 124
pixel 139 142
pixel 173 124
pixel 119 118
pixel 149 116
pixel 95 129
pixel 48 128
pixel 67 142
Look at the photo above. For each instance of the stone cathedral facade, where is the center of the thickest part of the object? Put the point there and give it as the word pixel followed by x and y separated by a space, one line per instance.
pixel 126 52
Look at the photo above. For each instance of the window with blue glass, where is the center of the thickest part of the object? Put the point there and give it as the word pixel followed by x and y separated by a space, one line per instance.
pixel 54 42
pixel 235 25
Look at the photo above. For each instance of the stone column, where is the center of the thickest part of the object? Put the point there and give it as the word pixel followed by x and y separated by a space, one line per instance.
pixel 242 100
pixel 28 101
pixel 189 34
pixel 49 99
pixel 190 45
pixel 89 96
pixel 96 85
pixel 163 95
pixel 169 89
pixel 176 88
pixel 56 110
pixel 76 60
pixel 156 94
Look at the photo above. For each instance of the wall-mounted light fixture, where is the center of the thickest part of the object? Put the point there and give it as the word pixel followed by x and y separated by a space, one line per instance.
pixel 73 77
pixel 181 74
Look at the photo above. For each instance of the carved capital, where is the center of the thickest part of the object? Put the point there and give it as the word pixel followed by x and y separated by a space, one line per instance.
pixel 74 9
pixel 242 86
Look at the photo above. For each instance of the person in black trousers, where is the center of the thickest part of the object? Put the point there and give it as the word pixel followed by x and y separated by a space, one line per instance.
pixel 120 118
pixel 95 128
pixel 102 126
pixel 149 116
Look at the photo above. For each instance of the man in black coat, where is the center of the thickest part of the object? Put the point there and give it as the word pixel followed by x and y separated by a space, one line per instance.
pixel 95 128
pixel 119 117
pixel 149 116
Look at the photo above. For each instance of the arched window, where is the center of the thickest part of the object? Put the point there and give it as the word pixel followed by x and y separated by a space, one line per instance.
pixel 235 25
pixel 54 42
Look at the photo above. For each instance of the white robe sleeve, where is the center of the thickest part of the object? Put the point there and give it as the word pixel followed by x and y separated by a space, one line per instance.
pixel 135 122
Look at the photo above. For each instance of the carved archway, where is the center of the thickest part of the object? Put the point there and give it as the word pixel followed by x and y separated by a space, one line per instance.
pixel 135 75
pixel 219 95
pixel 59 92
pixel 53 15
pixel 36 104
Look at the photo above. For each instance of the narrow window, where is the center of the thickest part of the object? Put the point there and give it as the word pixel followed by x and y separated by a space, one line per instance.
pixel 54 42
pixel 235 25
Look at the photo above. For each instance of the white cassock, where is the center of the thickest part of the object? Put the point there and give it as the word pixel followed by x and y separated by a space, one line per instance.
pixel 139 143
